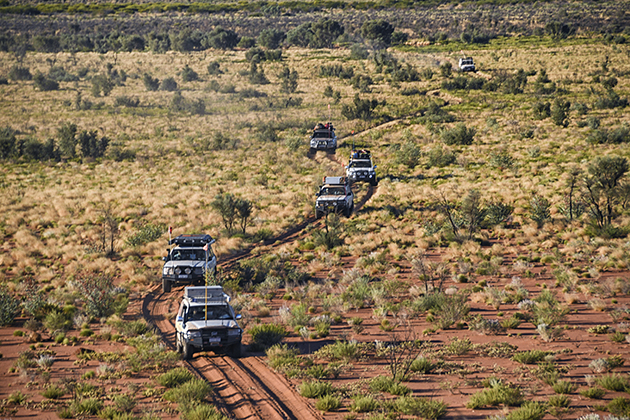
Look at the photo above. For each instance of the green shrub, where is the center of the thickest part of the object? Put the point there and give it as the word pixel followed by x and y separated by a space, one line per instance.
pixel 619 406
pixel 363 404
pixel 53 392
pixel 280 357
pixel 341 350
pixel 9 306
pixel 17 398
pixel 422 365
pixel 45 84
pixel 195 390
pixel 613 382
pixel 564 387
pixel 458 135
pixel 315 389
pixel 593 393
pixel 149 232
pixel 203 412
pixel 328 403
pixel 381 383
pixel 530 357
pixel 528 411
pixel 496 395
pixel 420 407
pixel 124 402
pixel 174 377
pixel 266 335
pixel 559 400
pixel 87 406
pixel 18 72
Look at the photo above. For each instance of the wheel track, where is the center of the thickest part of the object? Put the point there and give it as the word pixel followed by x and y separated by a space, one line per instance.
pixel 243 389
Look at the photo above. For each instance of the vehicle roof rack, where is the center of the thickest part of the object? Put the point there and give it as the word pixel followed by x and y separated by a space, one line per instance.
pixel 192 240
pixel 335 180
pixel 198 294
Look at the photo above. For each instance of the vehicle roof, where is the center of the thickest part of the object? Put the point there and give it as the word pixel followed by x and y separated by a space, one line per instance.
pixel 191 240
pixel 335 180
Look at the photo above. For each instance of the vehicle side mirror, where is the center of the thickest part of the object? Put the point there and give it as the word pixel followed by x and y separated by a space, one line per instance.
pixel 179 319
pixel 347 167
pixel 374 166
pixel 239 316
pixel 317 195
pixel 164 258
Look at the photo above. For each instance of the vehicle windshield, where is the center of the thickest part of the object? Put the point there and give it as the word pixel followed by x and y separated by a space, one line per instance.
pixel 190 254
pixel 360 164
pixel 322 134
pixel 198 313
pixel 333 191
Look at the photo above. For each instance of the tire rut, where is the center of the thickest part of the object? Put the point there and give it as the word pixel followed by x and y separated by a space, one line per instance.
pixel 244 389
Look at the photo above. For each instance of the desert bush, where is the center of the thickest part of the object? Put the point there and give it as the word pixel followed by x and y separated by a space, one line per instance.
pixel 124 403
pixel 220 38
pixel 17 398
pixel 174 377
pixel 485 326
pixel 530 357
pixel 539 210
pixel 608 100
pixel 454 309
pixel 458 135
pixel 530 410
pixel 147 233
pixel 564 387
pixel 267 335
pixel 56 321
pixel 101 85
pixel 195 390
pixel 559 112
pixel 347 351
pixel 53 392
pixel 168 84
pixel 360 108
pixel 407 154
pixel 188 74
pixel 18 72
pixel 420 407
pixel 327 403
pixel 619 406
pixel 593 393
pixel 439 157
pixel 280 357
pixel 315 389
pixel 422 365
pixel 151 84
pixel 99 296
pixel 497 394
pixel 202 412
pixel 377 30
pixel 126 101
pixel 86 406
pixel 613 382
pixel 9 306
pixel 44 84
pixel 363 404
pixel 288 80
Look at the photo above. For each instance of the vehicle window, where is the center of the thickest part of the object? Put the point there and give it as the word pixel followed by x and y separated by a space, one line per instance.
pixel 214 312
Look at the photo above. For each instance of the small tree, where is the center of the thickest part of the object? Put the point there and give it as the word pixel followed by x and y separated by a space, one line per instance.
pixel 188 74
pixel 244 209
pixel 66 138
pixel 560 111
pixel 97 292
pixel 108 228
pixel 271 38
pixel 460 134
pixel 9 306
pixel 8 143
pixel 603 187
pixel 226 205
pixel 472 212
pixel 540 212
pixel 288 80
pixel 378 30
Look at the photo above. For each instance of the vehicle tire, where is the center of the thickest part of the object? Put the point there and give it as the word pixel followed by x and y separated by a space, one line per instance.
pixel 178 345
pixel 187 351
pixel 312 151
pixel 235 350
pixel 374 181
pixel 349 210
pixel 318 214
pixel 166 285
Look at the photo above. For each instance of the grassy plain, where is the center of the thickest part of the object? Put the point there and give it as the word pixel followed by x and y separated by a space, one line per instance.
pixel 52 212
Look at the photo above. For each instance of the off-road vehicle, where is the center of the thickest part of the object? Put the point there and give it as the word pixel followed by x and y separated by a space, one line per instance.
pixel 206 321
pixel 361 168
pixel 323 138
pixel 334 196
pixel 189 261
pixel 466 64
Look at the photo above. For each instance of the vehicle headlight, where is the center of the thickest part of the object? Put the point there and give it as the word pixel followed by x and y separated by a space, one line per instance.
pixel 168 271
pixel 194 334
pixel 233 331
pixel 187 270
pixel 178 270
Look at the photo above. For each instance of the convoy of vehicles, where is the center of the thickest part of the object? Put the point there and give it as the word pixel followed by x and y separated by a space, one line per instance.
pixel 207 322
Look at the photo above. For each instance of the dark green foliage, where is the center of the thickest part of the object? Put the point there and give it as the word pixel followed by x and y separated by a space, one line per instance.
pixel 315 389
pixel 422 365
pixel 8 143
pixel 133 42
pixel 195 390
pixel 512 83
pixel 358 52
pixel 169 84
pixel 300 36
pixel 542 110
pixel 420 407
pixel 90 145
pixel 147 233
pixel 602 136
pixel 603 187
pixel 214 68
pixel 530 357
pixel 619 406
pixel 231 209
pixel 462 82
pixel 330 236
pixel 44 84
pixel 66 138
pixel 271 38
pixel 181 104
pixel 559 112
pixel 100 298
pixel 540 210
pixel 9 306
pixel 399 38
pixel 174 377
pixel 360 108
pixel 497 394
pixel 378 30
pixel 361 82
pixel 266 335
pixel 18 72
pixel 288 80
pixel 436 114
pixel 101 85
pixel 440 157
pixel 222 39
pixel 446 69
pixel 126 101
pixel 336 70
pixel 498 213
pixel 558 30
pixel 256 75
pixel 608 100
pixel 325 31
pixel 459 135
pixel 189 75
pixel 407 154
